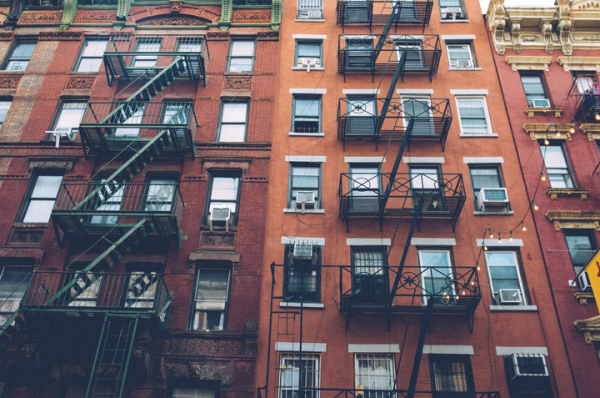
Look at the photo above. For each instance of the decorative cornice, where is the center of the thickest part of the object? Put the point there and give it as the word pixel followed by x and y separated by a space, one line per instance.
pixel 60 36
pixel 574 219
pixel 269 36
pixel 95 16
pixel 579 63
pixel 69 12
pixel 539 131
pixel 592 130
pixel 276 14
pixel 590 328
pixel 10 82
pixel 237 83
pixel 585 297
pixel 226 11
pixel 251 16
pixel 531 112
pixel 554 193
pixel 41 17
pixel 217 35
pixel 7 36
pixel 80 82
pixel 528 63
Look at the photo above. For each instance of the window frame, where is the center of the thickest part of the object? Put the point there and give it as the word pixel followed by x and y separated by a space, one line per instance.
pixel 593 245
pixel 26 201
pixel 567 159
pixel 302 265
pixel 520 274
pixel 355 198
pixel 488 120
pixel 390 358
pixel 11 51
pixel 145 58
pixel 408 45
pixel 380 277
pixel 230 56
pixel 319 200
pixel 421 192
pixel 543 83
pixel 213 267
pixel 222 106
pixel 80 56
pixel 430 121
pixel 61 107
pixel 463 11
pixel 474 166
pixel 294 357
pixel 314 97
pixel 448 359
pixel 157 177
pixel 300 42
pixel 451 267
pixel 2 102
pixel 471 49
pixel 4 300
pixel 223 174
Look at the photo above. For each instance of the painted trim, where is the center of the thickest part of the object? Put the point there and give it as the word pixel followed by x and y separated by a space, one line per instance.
pixel 306 211
pixel 368 242
pixel 505 243
pixel 363 159
pixel 374 348
pixel 433 241
pixel 361 91
pixel 484 160
pixel 306 347
pixel 413 159
pixel 308 91
pixel 313 37
pixel 513 308
pixel 502 351
pixel 414 91
pixel 316 159
pixel 448 349
pixel 306 305
pixel 457 37
pixel 404 36
pixel 469 92
pixel 286 240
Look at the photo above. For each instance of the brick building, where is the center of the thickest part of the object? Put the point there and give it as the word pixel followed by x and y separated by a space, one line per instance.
pixel 547 65
pixel 396 172
pixel 135 147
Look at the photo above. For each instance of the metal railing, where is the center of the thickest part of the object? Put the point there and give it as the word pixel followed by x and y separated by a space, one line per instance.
pixel 378 12
pixel 310 9
pixel 139 114
pixel 134 292
pixel 252 2
pixel 316 392
pixel 585 97
pixel 360 119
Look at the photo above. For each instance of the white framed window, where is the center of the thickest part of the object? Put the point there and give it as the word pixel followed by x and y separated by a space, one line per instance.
pixel 460 55
pixel 436 271
pixel 505 277
pixel 414 53
pixel 211 295
pixel 90 57
pixel 291 377
pixel 310 9
pixel 234 118
pixel 39 201
pixel 241 56
pixel 557 165
pixel 418 108
pixel 146 45
pixel 374 372
pixel 473 114
pixel 69 116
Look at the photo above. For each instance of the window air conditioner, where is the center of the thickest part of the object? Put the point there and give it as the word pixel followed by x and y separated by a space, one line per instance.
pixel 509 296
pixel 68 133
pixel 303 251
pixel 220 214
pixel 305 200
pixel 462 63
pixel 584 282
pixel 307 63
pixel 523 366
pixel 493 200
pixel 539 103
pixel 452 13
pixel 310 14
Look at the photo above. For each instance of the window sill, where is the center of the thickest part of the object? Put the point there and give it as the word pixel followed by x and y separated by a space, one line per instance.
pixel 306 305
pixel 304 69
pixel 292 134
pixel 531 112
pixel 229 73
pixel 522 308
pixel 554 193
pixel 12 72
pixel 463 69
pixel 307 211
pixel 454 21
pixel 478 135
pixel 585 297
pixel 488 213
pixel 319 20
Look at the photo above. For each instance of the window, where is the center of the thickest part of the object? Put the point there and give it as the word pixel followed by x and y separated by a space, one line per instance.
pixel 370 274
pixel 451 373
pixel 436 272
pixel 374 372
pixel 365 194
pixel 108 203
pixel 309 52
pixel 189 44
pixel 305 178
pixel 224 193
pixel 473 115
pixel 234 117
pixel 211 295
pixel 176 112
pixel 306 114
pixel 414 53
pixel 460 55
pixel 13 285
pixel 419 110
pixel 407 10
pixel 452 10
pixel 310 9
pixel 241 56
pixel 39 201
pixel 484 176
pixel 160 194
pixel 69 116
pixel 20 56
pixel 582 246
pixel 505 275
pixel 91 54
pixel 192 393
pixel 302 278
pixel 557 166
pixel 146 45
pixel 358 51
pixel 143 282
pixel 425 183
pixel 131 132
pixel 86 290
pixel 534 90
pixel 291 378
pixel 362 118
pixel 4 107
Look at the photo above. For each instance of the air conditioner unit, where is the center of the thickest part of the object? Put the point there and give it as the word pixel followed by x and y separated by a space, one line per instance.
pixel 522 366
pixel 452 13
pixel 493 200
pixel 307 63
pixel 302 250
pixel 68 133
pixel 462 63
pixel 310 14
pixel 509 296
pixel 584 282
pixel 220 214
pixel 305 200
pixel 539 103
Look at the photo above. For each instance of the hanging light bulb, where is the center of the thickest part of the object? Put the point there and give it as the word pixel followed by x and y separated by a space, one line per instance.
pixel 535 207
pixel 572 129
pixel 464 292
pixel 523 227
pixel 484 247
pixel 543 176
pixel 557 133
pixel 491 234
pixel 478 267
pixel 546 142
pixel 511 238
pixel 499 238
pixel 597 116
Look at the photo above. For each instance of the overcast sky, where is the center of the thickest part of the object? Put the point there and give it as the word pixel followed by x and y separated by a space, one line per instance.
pixel 529 3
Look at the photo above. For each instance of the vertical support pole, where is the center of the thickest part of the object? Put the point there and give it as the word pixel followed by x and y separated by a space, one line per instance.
pixel 419 354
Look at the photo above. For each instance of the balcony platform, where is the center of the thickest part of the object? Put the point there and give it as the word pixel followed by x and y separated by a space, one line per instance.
pixel 377 13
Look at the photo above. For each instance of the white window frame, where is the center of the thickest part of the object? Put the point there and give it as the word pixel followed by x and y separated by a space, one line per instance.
pixel 423 98
pixel 400 46
pixel 82 55
pixel 361 387
pixel 295 376
pixel 427 274
pixel 471 57
pixel 517 266
pixel 483 99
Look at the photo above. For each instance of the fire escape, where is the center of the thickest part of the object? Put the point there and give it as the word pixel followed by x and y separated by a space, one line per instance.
pixel 380 289
pixel 116 214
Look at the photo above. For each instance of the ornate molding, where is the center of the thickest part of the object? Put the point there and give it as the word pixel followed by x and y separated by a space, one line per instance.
pixel 592 130
pixel 539 131
pixel 528 63
pixel 590 328
pixel 554 193
pixel 272 35
pixel 80 82
pixel 547 36
pixel 579 63
pixel 251 16
pixel 41 17
pixel 69 12
pixel 531 112
pixel 94 16
pixel 217 35
pixel 123 10
pixel 60 36
pixel 10 82
pixel 217 239
pixel 237 83
pixel 26 236
pixel 496 18
pixel 574 219
pixel 585 297
pixel 276 14
pixel 174 21
pixel 7 36
pixel 226 11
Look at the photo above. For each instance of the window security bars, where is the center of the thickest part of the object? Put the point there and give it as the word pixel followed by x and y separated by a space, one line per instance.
pixel 292 380
pixel 310 9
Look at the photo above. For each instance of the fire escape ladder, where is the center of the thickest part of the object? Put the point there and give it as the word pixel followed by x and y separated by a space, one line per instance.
pixel 90 274
pixel 115 345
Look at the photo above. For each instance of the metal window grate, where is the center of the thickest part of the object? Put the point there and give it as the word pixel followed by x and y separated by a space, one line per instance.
pixel 375 375
pixel 292 378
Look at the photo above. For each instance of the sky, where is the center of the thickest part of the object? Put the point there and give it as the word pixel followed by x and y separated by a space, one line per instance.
pixel 529 3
